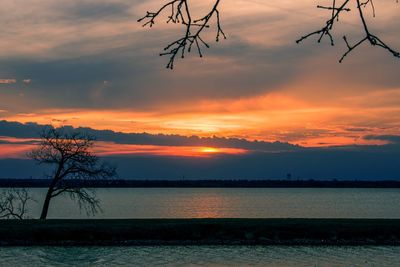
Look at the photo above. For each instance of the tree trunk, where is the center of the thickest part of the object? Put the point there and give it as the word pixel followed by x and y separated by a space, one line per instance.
pixel 46 204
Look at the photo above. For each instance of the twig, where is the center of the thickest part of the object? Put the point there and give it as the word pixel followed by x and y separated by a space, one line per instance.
pixel 181 14
pixel 369 37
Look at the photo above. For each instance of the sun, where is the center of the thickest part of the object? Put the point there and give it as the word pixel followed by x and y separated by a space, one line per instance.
pixel 209 150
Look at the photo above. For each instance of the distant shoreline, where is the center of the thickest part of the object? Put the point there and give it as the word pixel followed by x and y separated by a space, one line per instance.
pixel 121 183
pixel 91 232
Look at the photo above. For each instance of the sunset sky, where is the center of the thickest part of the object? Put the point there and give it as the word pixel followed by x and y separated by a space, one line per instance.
pixel 90 64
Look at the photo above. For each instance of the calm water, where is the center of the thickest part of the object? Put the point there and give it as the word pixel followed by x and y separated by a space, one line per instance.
pixel 200 256
pixel 239 203
pixel 210 202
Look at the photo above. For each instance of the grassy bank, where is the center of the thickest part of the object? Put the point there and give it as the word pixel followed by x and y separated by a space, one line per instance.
pixel 201 231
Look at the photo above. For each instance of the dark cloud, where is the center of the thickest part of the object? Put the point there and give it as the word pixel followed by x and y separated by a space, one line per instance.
pixel 8 142
pixel 357 129
pixel 19 130
pixel 70 73
pixel 394 139
pixel 94 10
pixel 347 162
pixel 138 79
pixel 32 130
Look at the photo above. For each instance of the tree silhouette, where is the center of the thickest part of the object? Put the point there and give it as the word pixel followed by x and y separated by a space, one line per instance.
pixel 344 7
pixel 181 13
pixel 13 203
pixel 72 157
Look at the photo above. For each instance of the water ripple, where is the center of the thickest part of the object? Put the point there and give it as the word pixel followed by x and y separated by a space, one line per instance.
pixel 201 256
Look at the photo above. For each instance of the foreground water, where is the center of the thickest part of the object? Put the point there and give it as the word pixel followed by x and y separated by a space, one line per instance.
pixel 218 203
pixel 232 203
pixel 200 256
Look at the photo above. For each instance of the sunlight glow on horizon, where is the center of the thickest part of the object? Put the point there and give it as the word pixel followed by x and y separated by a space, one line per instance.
pixel 19 147
pixel 112 149
pixel 272 117
pixel 209 150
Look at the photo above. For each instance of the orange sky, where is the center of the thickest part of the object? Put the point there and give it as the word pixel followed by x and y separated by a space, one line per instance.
pixel 20 147
pixel 91 65
pixel 269 118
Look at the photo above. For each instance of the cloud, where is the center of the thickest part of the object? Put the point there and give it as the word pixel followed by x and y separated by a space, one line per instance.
pixel 18 130
pixel 393 139
pixel 358 129
pixel 258 84
pixel 97 10
pixel 7 81
pixel 32 130
pixel 76 46
pixel 136 156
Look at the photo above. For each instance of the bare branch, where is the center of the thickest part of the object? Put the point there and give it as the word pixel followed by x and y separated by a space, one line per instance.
pixel 326 30
pixel 86 198
pixel 13 203
pixel 181 14
pixel 369 37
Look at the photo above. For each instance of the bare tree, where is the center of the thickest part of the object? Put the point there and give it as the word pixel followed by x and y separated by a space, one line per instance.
pixel 72 158
pixel 13 203
pixel 180 13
